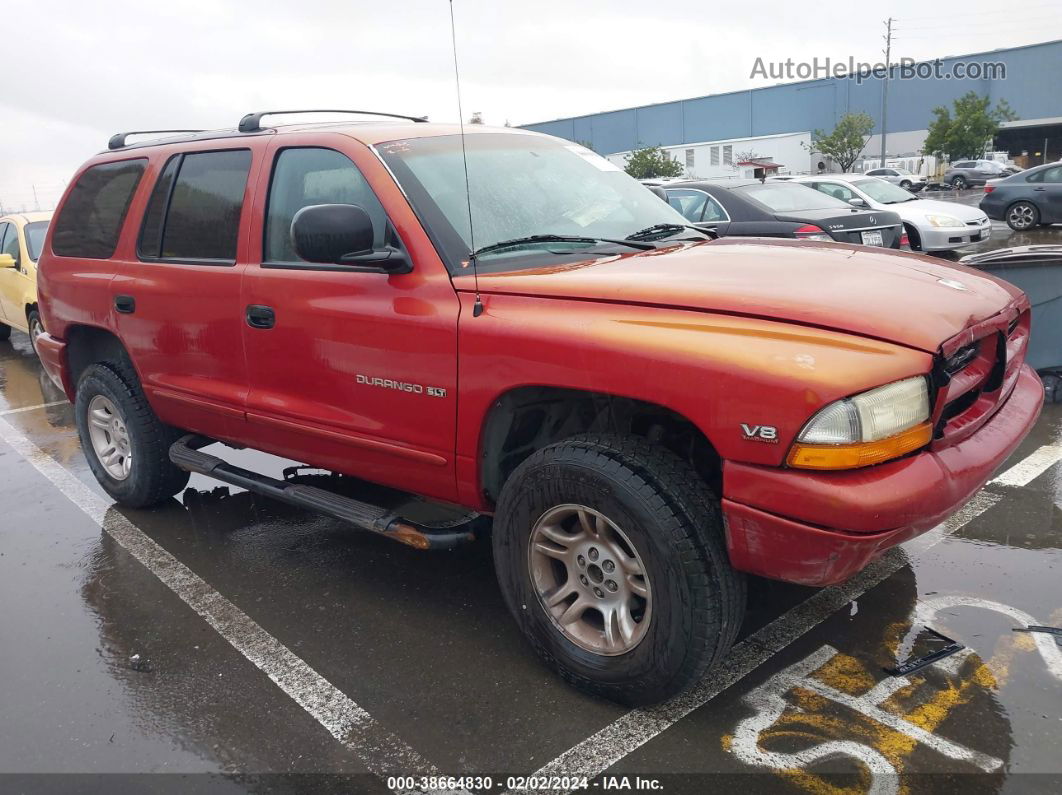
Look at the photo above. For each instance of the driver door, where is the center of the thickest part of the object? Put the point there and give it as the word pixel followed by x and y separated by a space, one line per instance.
pixel 351 370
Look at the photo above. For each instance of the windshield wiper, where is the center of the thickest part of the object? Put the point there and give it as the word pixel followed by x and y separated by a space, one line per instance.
pixel 665 230
pixel 548 238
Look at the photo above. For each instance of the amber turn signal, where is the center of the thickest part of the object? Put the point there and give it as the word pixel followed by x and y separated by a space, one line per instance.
pixel 852 456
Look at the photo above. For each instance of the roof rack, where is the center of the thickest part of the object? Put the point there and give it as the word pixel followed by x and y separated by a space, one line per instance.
pixel 252 121
pixel 117 141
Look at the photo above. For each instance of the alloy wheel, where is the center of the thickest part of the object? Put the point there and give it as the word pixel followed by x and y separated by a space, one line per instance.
pixel 110 437
pixel 1021 216
pixel 590 579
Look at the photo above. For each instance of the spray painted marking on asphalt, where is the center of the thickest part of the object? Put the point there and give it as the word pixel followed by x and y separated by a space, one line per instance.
pixel 33 408
pixel 381 752
pixel 601 750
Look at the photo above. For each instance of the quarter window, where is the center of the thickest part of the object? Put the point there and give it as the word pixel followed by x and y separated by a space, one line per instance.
pixel 308 176
pixel 91 218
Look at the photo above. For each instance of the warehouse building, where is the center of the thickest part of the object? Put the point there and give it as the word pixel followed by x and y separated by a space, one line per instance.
pixel 712 135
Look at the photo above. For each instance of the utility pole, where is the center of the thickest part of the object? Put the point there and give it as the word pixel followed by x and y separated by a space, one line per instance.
pixel 36 204
pixel 885 86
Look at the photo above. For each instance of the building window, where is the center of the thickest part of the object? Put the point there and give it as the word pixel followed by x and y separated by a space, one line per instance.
pixel 728 155
pixel 715 156
pixel 689 158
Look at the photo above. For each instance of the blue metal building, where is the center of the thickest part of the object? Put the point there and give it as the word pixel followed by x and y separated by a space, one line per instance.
pixel 1030 87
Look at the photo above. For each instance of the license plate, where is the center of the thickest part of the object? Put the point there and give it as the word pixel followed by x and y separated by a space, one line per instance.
pixel 873 238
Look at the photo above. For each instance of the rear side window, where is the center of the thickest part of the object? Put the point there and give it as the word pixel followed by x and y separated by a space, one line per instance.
pixel 91 218
pixel 308 176
pixel 194 210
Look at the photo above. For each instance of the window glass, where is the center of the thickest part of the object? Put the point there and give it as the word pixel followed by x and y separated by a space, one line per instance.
pixel 884 192
pixel 9 241
pixel 713 211
pixel 728 155
pixel 964 164
pixel 91 217
pixel 35 233
pixel 304 177
pixel 688 202
pixel 150 244
pixel 714 155
pixel 689 158
pixel 787 197
pixel 842 192
pixel 1053 174
pixel 203 219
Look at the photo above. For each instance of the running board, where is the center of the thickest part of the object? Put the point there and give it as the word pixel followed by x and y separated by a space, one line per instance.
pixel 186 455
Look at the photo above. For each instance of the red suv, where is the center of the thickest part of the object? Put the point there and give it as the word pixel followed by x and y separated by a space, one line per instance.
pixel 505 322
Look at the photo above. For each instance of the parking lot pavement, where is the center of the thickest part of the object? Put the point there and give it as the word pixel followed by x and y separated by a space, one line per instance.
pixel 272 641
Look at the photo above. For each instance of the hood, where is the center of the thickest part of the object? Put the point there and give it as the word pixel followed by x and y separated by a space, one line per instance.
pixel 909 299
pixel 922 207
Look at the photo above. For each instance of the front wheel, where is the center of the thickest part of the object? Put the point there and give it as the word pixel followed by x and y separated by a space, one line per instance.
pixel 906 184
pixel 1022 216
pixel 958 183
pixel 126 446
pixel 610 555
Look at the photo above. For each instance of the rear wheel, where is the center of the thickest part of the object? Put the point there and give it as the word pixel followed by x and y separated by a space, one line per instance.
pixel 126 446
pixel 610 556
pixel 1022 216
pixel 958 183
pixel 5 332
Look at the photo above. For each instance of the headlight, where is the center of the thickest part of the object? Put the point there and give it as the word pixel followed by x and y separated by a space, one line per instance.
pixel 869 428
pixel 944 220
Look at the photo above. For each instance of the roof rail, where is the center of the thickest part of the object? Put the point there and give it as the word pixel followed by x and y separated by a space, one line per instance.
pixel 252 121
pixel 117 141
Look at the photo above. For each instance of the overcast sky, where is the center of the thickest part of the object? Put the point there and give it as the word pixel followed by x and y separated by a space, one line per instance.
pixel 76 72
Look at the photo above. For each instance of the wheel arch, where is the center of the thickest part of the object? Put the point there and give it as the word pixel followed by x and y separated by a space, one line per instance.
pixel 86 345
pixel 523 420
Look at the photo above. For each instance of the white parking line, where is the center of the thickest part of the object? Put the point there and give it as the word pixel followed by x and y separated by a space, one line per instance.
pixel 380 751
pixel 600 751
pixel 5 412
pixel 1030 468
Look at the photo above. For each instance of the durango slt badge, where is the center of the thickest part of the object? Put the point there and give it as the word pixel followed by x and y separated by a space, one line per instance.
pixel 401 386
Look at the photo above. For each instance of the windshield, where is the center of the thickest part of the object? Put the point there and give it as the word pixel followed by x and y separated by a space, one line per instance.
pixel 885 192
pixel 785 197
pixel 521 185
pixel 35 238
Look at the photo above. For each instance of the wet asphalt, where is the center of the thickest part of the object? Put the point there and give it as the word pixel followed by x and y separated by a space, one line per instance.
pixel 423 644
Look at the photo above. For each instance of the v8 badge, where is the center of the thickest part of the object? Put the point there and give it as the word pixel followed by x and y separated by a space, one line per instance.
pixel 760 433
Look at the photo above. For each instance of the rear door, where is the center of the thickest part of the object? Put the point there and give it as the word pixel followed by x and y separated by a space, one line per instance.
pixel 1048 195
pixel 350 369
pixel 176 301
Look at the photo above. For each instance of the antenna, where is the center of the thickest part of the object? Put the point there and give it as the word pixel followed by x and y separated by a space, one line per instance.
pixel 477 307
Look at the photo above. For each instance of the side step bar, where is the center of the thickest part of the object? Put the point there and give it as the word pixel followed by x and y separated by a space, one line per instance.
pixel 186 455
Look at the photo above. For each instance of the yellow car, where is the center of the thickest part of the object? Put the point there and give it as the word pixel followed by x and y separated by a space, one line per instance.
pixel 21 240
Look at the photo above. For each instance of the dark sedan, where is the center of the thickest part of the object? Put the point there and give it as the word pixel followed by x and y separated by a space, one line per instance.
pixel 781 209
pixel 1026 199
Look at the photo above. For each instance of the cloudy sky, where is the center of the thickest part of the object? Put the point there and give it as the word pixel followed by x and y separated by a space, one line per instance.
pixel 76 72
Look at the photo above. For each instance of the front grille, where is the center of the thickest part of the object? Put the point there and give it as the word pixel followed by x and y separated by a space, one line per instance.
pixel 978 372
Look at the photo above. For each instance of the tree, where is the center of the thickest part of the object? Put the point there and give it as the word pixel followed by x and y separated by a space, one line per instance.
pixel 745 157
pixel 967 130
pixel 477 118
pixel 847 141
pixel 652 161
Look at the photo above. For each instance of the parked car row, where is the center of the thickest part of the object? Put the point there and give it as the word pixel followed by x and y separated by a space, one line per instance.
pixel 21 242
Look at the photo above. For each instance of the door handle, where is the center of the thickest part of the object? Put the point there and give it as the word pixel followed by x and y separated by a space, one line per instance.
pixel 1039 188
pixel 259 316
pixel 125 304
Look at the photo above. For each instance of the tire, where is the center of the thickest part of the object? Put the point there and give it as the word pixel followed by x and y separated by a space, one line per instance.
pixel 151 478
pixel 913 238
pixel 673 527
pixel 35 326
pixel 958 183
pixel 1022 216
pixel 5 332
pixel 906 184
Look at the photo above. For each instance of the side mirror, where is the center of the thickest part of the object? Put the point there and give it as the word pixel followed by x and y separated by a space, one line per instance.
pixel 7 261
pixel 857 202
pixel 342 234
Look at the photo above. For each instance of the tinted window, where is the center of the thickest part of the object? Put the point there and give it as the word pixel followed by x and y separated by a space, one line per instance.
pixel 203 218
pixel 1053 174
pixel 784 197
pixel 9 241
pixel 964 164
pixel 150 244
pixel 91 217
pixel 713 211
pixel 35 233
pixel 304 177
pixel 842 192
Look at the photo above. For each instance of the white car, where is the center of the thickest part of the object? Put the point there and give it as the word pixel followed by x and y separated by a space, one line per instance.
pixel 930 224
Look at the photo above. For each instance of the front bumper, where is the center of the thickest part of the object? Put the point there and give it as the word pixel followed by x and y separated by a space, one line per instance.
pixel 786 524
pixel 947 238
